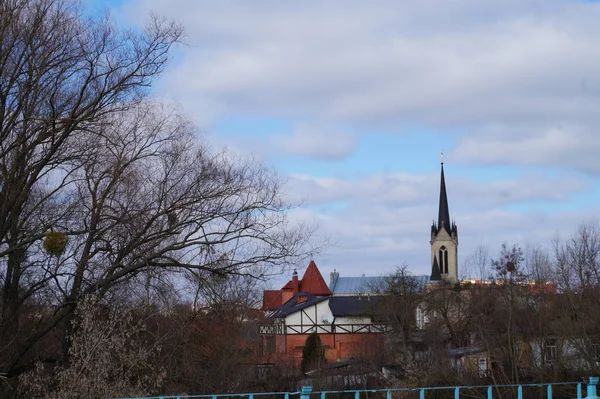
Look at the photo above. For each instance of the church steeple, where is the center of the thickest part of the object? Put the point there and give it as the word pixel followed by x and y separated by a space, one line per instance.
pixel 444 239
pixel 443 212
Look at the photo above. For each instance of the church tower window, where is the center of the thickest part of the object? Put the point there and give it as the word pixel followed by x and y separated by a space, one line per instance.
pixel 443 257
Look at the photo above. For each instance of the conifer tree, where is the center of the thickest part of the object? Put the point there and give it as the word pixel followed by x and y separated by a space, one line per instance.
pixel 313 354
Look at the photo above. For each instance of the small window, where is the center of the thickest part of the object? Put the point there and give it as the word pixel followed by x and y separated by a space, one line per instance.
pixel 550 350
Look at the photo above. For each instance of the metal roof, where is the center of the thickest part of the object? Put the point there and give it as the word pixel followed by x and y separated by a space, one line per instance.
pixel 356 285
pixel 367 285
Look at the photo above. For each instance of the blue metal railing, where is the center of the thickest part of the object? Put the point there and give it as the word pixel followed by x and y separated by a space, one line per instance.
pixel 490 391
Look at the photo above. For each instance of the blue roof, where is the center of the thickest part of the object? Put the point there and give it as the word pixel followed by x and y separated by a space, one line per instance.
pixel 367 284
pixel 356 285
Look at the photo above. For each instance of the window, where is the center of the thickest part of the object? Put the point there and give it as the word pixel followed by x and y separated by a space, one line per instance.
pixel 482 367
pixel 550 350
pixel 443 260
pixel 419 318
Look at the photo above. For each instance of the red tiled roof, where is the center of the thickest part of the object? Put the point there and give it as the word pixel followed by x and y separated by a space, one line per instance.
pixel 312 281
pixel 271 299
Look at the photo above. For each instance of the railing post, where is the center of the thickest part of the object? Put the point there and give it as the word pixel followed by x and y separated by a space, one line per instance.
pixel 579 394
pixel 549 390
pixel 388 395
pixel 457 393
pixel 306 390
pixel 323 395
pixel 591 388
pixel 422 394
pixel 357 395
pixel 520 392
pixel 490 392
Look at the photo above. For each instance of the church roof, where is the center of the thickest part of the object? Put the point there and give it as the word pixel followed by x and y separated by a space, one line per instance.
pixel 443 212
pixel 435 271
pixel 313 281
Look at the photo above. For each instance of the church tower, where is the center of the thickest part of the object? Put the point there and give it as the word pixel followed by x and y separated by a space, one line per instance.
pixel 444 241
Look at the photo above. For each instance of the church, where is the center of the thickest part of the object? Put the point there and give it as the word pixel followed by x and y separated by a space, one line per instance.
pixel 444 241
pixel 343 312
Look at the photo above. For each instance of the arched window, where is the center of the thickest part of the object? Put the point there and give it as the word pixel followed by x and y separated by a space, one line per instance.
pixel 443 260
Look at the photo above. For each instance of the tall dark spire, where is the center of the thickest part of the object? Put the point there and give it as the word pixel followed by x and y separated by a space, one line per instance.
pixel 443 213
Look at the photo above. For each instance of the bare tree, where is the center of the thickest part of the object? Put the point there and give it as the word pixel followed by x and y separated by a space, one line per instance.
pixel 477 264
pixel 538 263
pixel 401 295
pixel 101 188
pixel 61 73
pixel 578 258
pixel 108 357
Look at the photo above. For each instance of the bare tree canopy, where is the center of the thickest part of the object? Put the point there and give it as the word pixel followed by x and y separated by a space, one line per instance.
pixel 100 185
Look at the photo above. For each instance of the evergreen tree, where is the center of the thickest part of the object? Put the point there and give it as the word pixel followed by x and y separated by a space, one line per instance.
pixel 313 353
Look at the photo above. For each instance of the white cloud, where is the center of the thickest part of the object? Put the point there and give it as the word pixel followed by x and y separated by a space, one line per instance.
pixel 565 146
pixel 465 63
pixel 379 239
pixel 402 189
pixel 519 79
pixel 316 142
pixel 381 221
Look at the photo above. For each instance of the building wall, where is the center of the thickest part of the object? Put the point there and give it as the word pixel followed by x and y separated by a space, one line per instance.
pixel 337 346
pixel 316 312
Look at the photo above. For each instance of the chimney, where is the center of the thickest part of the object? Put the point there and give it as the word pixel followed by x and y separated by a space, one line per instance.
pixel 294 283
pixel 333 276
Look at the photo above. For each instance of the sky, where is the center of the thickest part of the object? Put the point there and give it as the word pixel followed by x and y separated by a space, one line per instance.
pixel 351 102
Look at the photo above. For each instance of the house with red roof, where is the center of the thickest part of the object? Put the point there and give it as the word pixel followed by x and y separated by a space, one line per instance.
pixel 312 283
pixel 346 324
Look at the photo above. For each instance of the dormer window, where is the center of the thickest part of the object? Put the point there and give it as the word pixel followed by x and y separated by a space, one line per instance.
pixel 443 260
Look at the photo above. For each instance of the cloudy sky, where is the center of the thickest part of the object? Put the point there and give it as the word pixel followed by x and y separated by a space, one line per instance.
pixel 352 102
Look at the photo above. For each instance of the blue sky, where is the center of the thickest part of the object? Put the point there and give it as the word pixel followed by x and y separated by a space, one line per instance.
pixel 352 102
